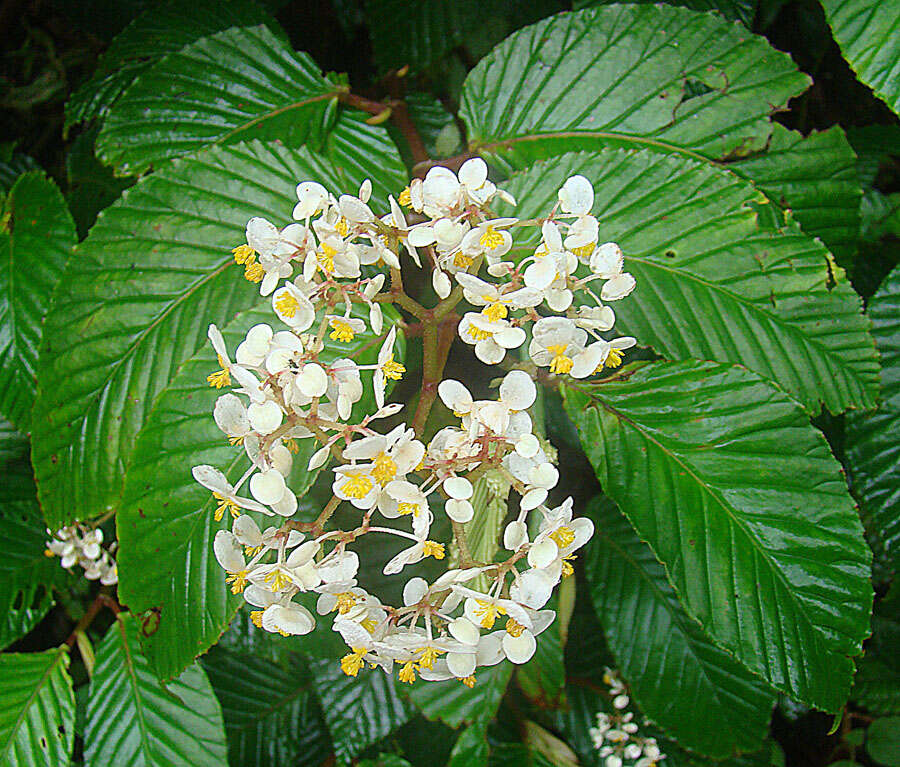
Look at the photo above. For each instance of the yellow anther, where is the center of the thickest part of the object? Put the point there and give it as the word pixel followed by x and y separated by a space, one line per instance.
pixel 468 681
pixel 614 358
pixel 405 198
pixel 478 334
pixel 408 508
pixel 490 239
pixel 408 672
pixel 225 504
pixel 221 377
pixel 243 254
pixel 514 628
pixel 432 549
pixel 384 469
pixel 567 568
pixel 325 258
pixel 369 624
pixel 429 656
pixel 277 579
pixel 48 553
pixel 393 370
pixel 254 272
pixel 495 311
pixel 342 331
pixel 357 486
pixel 342 228
pixel 252 551
pixel 585 250
pixel 563 536
pixel 237 580
pixel 256 618
pixel 287 304
pixel 487 613
pixel 560 364
pixel 345 601
pixel 462 261
pixel 291 444
pixel 352 663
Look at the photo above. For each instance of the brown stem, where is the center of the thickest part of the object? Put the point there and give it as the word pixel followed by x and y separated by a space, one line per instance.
pixel 330 507
pixel 100 601
pixel 395 109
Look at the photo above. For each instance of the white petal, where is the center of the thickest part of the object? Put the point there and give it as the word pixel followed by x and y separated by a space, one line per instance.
pixel 228 552
pixel 319 458
pixel 577 196
pixel 414 590
pixel 533 498
pixel 354 209
pixel 231 415
pixel 459 511
pixel 312 380
pixel 212 479
pixel 262 235
pixel 519 649
pixel 441 283
pixel 618 287
pixel 463 630
pixel 267 486
pixel 542 553
pixel 473 173
pixel 518 390
pixel 265 417
pixel 460 664
pixel 293 619
pixel 458 487
pixel 455 396
pixel 515 535
pixel 540 274
pixel 527 446
pixel 286 505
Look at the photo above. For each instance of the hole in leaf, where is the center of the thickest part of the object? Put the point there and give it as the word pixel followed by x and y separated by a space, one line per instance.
pixel 670 254
pixel 694 88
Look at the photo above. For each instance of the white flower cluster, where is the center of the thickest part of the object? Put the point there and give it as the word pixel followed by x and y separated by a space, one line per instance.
pixel 283 390
pixel 616 736
pixel 81 545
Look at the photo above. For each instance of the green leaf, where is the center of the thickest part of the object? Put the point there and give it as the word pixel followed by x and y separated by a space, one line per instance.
pixel 872 446
pixel 359 711
pixel 455 704
pixel 167 518
pixel 741 500
pixel 134 720
pixel 674 669
pixel 271 716
pixel 12 165
pixel 876 686
pixel 37 709
pixel 543 678
pixel 712 282
pixel 235 85
pixel 667 79
pixel 13 444
pixel 27 576
pixel 736 10
pixel 36 237
pixel 140 293
pixel 866 30
pixel 158 31
pixel 873 144
pixel 471 749
pixel 883 741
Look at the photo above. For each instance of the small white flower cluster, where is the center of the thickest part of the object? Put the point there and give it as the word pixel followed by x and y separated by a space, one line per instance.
pixel 284 390
pixel 616 736
pixel 79 544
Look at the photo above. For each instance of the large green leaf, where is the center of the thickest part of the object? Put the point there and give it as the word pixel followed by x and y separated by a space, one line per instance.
pixel 742 502
pixel 680 679
pixel 741 10
pixel 873 440
pixel 359 711
pixel 155 33
pixel 877 682
pixel 154 272
pixel 27 575
pixel 36 237
pixel 133 720
pixel 866 30
pixel 13 444
pixel 712 282
pixel 235 85
pixel 664 78
pixel 12 165
pixel 455 704
pixel 167 518
pixel 271 716
pixel 37 709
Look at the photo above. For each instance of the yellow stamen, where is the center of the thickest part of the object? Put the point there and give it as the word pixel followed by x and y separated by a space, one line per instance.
pixel 614 358
pixel 405 198
pixel 291 444
pixel 287 304
pixel 408 508
pixel 48 553
pixel 490 239
pixel 342 228
pixel 408 672
pixel 342 331
pixel 221 377
pixel 429 656
pixel 560 364
pixel 432 549
pixel 567 568
pixel 277 579
pixel 563 536
pixel 352 663
pixel 478 334
pixel 254 272
pixel 487 613
pixel 384 469
pixel 393 370
pixel 252 551
pixel 357 486
pixel 244 254
pixel 256 617
pixel 585 250
pixel 513 628
pixel 345 600
pixel 325 258
pixel 462 261
pixel 238 581
pixel 235 440
pixel 225 504
pixel 468 681
pixel 495 311
pixel 369 624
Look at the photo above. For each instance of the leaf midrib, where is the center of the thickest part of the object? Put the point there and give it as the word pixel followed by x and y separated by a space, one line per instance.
pixel 138 703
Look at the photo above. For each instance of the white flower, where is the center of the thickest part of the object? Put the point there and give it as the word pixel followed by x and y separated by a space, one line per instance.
pixel 387 368
pixel 555 342
pixel 293 308
pixel 607 262
pixel 312 198
pixel 288 619
pixel 490 338
pixel 228 499
pixel 576 197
